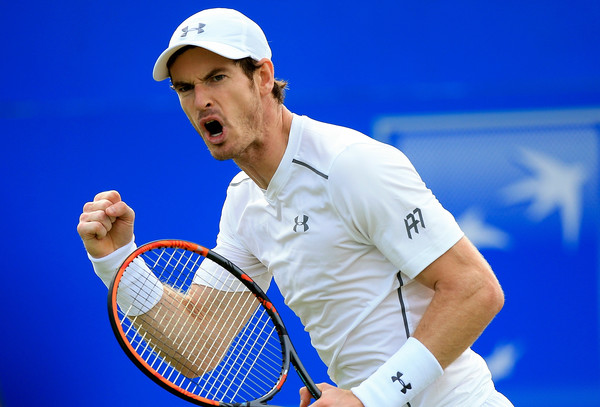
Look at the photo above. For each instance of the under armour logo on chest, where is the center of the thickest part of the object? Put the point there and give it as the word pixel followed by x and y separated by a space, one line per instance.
pixel 186 30
pixel 301 223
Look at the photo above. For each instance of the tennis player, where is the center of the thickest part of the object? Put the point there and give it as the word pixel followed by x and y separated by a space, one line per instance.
pixel 391 291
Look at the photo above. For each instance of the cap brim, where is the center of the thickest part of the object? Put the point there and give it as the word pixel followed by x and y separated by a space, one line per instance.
pixel 161 72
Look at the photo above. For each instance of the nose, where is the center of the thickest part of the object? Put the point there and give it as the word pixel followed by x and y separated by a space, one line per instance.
pixel 202 99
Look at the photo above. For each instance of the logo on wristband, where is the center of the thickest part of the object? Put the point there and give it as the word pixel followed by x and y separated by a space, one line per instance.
pixel 405 386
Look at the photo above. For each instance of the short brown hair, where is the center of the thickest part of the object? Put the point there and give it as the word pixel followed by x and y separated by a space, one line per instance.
pixel 248 65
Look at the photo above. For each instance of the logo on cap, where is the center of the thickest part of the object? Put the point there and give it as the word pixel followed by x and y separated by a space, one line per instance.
pixel 186 29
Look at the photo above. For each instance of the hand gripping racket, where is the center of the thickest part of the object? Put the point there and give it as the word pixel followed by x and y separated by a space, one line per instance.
pixel 209 335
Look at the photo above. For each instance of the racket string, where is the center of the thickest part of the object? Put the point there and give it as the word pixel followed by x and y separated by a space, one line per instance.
pixel 243 353
pixel 241 350
pixel 222 321
pixel 179 334
pixel 255 350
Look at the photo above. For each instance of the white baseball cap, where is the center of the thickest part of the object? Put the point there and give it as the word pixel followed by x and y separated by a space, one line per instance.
pixel 223 31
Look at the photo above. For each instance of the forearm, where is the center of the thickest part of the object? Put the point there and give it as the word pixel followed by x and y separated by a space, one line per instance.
pixel 167 327
pixel 456 317
pixel 187 329
pixel 450 325
pixel 466 298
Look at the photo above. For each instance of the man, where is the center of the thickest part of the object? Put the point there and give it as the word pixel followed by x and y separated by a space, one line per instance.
pixel 377 270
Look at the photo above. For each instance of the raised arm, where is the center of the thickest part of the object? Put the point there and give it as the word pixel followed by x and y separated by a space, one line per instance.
pixel 188 329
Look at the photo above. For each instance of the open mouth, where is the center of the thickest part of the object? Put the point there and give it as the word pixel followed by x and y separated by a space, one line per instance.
pixel 214 128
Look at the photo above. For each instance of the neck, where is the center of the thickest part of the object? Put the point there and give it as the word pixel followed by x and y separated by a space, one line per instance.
pixel 262 164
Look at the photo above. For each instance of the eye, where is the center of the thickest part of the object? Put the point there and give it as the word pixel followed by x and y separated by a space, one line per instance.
pixel 218 78
pixel 182 87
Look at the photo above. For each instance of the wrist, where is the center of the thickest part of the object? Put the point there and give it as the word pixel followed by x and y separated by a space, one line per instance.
pixel 139 289
pixel 409 371
pixel 106 267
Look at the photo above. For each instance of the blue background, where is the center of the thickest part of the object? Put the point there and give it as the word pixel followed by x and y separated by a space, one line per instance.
pixel 80 113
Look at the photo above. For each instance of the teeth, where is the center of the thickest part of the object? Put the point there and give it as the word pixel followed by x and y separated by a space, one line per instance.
pixel 214 127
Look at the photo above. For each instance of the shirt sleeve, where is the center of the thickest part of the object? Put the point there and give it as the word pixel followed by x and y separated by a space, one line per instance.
pixel 384 202
pixel 231 248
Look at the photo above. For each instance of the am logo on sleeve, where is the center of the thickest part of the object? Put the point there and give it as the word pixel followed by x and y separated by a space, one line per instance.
pixel 413 222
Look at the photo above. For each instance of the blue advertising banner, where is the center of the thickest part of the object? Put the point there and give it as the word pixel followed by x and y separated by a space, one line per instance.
pixel 524 188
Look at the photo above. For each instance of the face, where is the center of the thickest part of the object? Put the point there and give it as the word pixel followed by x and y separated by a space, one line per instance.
pixel 220 101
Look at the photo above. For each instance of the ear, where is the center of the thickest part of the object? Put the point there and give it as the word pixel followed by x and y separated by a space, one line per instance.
pixel 265 76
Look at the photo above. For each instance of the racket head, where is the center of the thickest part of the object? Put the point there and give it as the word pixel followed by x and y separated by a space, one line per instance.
pixel 255 363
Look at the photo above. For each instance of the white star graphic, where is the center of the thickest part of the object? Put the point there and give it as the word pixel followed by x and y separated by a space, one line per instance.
pixel 503 360
pixel 553 186
pixel 482 234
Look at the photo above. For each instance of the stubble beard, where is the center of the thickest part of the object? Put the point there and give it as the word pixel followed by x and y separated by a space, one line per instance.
pixel 248 139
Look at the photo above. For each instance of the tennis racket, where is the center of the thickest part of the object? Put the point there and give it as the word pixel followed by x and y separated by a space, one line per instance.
pixel 213 338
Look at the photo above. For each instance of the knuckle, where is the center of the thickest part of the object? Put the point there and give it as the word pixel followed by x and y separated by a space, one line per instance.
pixel 112 196
pixel 84 217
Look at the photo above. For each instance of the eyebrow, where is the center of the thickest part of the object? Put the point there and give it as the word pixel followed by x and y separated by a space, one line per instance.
pixel 206 77
pixel 213 72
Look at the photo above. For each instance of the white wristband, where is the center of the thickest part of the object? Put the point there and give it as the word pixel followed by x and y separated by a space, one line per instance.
pixel 139 289
pixel 402 377
pixel 106 267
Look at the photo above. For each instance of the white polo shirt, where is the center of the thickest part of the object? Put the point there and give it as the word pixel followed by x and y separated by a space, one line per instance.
pixel 343 228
